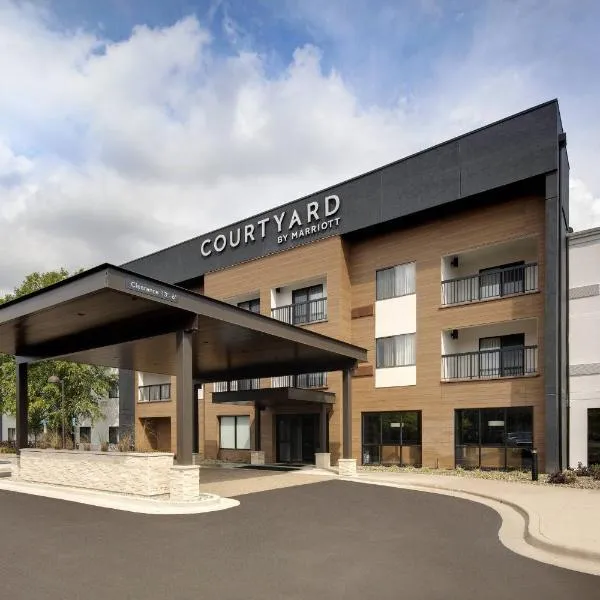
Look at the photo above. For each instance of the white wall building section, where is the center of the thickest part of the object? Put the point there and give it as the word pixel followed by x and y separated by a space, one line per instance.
pixel 584 341
pixel 100 427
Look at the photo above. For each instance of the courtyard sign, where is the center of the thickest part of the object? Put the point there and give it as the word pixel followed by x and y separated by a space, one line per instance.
pixel 287 225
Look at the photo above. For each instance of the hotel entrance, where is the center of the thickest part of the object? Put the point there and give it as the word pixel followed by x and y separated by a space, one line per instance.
pixel 297 438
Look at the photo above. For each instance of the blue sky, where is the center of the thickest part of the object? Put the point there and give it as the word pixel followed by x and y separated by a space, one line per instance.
pixel 128 125
pixel 366 40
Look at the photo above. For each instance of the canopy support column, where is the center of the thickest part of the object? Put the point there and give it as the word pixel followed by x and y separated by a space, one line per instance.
pixel 347 413
pixel 257 411
pixel 323 426
pixel 185 397
pixel 22 404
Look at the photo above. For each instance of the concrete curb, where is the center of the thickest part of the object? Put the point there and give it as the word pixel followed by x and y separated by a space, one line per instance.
pixel 208 503
pixel 544 550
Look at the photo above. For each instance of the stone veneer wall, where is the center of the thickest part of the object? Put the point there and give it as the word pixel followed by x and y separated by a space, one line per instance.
pixel 137 473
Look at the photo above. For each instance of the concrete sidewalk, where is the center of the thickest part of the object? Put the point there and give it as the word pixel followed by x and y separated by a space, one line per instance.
pixel 559 520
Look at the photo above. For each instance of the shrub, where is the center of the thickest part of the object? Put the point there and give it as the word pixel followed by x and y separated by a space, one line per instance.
pixel 8 447
pixel 104 446
pixel 562 477
pixel 594 471
pixel 582 470
pixel 125 443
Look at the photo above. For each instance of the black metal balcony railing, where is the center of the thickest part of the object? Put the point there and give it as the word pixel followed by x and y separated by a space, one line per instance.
pixel 155 393
pixel 514 361
pixel 306 380
pixel 302 313
pixel 237 385
pixel 496 283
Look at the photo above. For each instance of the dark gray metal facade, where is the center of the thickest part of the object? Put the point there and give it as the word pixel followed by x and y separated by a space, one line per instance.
pixel 515 149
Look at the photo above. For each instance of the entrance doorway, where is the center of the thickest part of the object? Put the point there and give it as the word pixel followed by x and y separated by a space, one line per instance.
pixel 297 438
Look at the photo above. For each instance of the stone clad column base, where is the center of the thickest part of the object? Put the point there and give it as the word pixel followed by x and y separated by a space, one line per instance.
pixel 184 483
pixel 257 457
pixel 347 467
pixel 323 460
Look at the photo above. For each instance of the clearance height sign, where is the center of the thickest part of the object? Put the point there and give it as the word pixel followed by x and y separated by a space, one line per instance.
pixel 284 226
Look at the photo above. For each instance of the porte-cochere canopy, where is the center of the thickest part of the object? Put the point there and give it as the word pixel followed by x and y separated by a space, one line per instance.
pixel 112 317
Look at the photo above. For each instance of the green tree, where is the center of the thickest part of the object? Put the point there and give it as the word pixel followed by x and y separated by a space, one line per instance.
pixel 83 384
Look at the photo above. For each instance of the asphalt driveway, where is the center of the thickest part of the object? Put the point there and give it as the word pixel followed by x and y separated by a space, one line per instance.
pixel 327 540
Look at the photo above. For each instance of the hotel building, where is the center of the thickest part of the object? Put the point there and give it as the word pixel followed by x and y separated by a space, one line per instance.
pixel 449 266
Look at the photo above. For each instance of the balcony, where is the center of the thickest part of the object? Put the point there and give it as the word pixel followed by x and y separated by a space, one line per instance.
pixel 154 393
pixel 517 361
pixel 494 351
pixel 497 271
pixel 239 385
pixel 493 283
pixel 302 313
pixel 306 380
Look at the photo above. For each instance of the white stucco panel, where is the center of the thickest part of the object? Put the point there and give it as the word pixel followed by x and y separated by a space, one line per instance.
pixel 396 377
pixel 396 316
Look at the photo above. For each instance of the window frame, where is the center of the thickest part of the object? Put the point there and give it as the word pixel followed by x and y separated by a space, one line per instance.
pixel 508 412
pixel 116 430
pixel 308 310
pixel 235 429
pixel 88 437
pixel 393 268
pixel 164 392
pixel 394 337
pixel 249 305
pixel 382 442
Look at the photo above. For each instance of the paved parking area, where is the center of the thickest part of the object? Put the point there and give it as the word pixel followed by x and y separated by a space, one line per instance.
pixel 333 539
pixel 232 482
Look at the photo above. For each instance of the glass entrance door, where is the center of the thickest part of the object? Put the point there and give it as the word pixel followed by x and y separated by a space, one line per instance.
pixel 296 438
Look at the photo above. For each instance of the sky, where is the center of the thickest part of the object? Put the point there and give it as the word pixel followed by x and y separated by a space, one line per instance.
pixel 130 125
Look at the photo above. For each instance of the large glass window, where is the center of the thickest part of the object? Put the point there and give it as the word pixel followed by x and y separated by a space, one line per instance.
pixel 396 281
pixel 494 438
pixel 502 280
pixel 235 433
pixel 160 392
pixel 309 305
pixel 391 438
pixel 502 356
pixel 396 351
pixel 251 305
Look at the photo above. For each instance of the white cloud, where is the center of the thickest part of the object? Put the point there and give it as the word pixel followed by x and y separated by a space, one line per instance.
pixel 111 150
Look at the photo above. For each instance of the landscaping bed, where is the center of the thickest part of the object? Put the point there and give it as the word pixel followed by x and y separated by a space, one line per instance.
pixel 569 478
